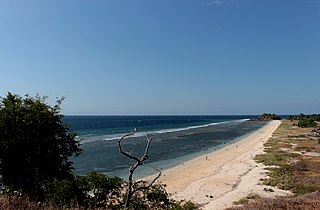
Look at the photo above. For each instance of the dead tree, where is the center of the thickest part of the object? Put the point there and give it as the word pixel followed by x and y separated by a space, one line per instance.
pixel 133 187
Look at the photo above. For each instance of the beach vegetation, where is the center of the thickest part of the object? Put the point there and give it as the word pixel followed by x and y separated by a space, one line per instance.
pixel 93 190
pixel 291 167
pixel 277 158
pixel 68 194
pixel 268 117
pixel 308 201
pixel 253 196
pixel 280 177
pixel 36 173
pixel 241 201
pixel 34 144
pixel 245 200
pixel 287 167
pixel 306 123
pixel 301 116
pixel 185 205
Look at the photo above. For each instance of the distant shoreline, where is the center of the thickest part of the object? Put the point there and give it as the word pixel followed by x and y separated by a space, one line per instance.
pixel 176 139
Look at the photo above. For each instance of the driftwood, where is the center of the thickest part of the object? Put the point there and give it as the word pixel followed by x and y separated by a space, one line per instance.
pixel 139 161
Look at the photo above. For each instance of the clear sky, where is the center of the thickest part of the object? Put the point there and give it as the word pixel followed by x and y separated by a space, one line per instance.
pixel 164 56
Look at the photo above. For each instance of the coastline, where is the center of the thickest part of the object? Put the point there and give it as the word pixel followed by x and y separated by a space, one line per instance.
pixel 169 147
pixel 217 179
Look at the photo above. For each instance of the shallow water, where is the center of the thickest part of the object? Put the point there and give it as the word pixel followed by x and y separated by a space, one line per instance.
pixel 167 149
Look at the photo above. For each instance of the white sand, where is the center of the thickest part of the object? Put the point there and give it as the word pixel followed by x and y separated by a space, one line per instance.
pixel 216 180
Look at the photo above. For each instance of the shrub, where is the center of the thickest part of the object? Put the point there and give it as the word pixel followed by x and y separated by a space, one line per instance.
pixel 280 177
pixel 277 158
pixel 302 189
pixel 305 123
pixel 242 201
pixel 60 192
pixel 268 117
pixel 92 190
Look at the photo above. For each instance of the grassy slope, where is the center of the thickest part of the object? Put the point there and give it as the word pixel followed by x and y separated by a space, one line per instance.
pixel 293 160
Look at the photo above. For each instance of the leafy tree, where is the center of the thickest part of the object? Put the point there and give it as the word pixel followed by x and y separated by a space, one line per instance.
pixel 34 143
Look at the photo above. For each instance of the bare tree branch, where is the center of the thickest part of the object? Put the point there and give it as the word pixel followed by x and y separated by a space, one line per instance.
pixel 139 161
pixel 145 155
pixel 151 183
pixel 120 148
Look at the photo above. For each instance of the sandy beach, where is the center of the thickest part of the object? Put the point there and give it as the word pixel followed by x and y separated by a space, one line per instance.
pixel 216 180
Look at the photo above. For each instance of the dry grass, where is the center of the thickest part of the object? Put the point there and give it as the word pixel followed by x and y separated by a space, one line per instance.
pixel 304 202
pixel 295 153
pixel 19 203
pixel 23 203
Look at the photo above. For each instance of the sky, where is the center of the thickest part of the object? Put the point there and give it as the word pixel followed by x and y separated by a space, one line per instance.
pixel 164 57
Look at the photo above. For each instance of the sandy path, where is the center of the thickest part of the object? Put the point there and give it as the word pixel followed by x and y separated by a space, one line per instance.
pixel 217 179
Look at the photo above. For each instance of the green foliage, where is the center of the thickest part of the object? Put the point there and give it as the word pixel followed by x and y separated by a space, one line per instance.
pixel 156 197
pixel 253 196
pixel 301 189
pixel 306 123
pixel 100 191
pixel 314 117
pixel 268 116
pixel 280 177
pixel 158 194
pixel 60 192
pixel 34 144
pixel 290 117
pixel 184 205
pixel 189 206
pixel 241 201
pixel 277 158
pixel 100 185
pixel 92 190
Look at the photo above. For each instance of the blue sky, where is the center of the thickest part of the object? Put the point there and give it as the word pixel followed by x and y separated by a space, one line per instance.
pixel 164 57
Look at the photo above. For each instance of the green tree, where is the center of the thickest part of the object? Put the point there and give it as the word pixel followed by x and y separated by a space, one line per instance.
pixel 34 143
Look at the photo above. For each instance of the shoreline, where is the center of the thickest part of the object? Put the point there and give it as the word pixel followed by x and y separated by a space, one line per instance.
pixel 217 179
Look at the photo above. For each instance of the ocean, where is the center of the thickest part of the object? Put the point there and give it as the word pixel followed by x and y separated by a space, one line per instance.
pixel 176 140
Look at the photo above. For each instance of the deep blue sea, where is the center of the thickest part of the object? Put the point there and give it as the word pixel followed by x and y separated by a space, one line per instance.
pixel 176 139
